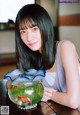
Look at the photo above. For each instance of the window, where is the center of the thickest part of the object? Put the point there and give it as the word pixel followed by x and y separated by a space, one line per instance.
pixel 9 9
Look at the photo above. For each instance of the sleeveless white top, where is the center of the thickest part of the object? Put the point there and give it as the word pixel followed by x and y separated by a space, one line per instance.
pixel 56 79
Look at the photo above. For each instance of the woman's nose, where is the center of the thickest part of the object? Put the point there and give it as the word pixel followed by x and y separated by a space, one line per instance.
pixel 29 35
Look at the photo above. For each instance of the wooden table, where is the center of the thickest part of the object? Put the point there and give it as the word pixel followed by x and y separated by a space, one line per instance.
pixel 43 108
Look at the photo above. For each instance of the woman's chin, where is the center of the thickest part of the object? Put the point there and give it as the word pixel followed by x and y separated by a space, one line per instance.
pixel 34 49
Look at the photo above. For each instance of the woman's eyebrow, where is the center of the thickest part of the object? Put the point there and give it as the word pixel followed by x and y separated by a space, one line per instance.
pixel 26 27
pixel 33 25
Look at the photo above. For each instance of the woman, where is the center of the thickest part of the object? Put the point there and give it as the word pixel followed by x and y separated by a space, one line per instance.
pixel 36 49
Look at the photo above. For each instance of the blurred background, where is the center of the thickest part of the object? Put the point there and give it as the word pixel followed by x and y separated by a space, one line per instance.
pixel 65 15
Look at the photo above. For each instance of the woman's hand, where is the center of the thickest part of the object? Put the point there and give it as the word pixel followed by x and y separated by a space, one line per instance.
pixel 8 83
pixel 48 92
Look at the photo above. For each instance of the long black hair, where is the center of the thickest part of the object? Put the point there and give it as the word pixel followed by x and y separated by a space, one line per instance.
pixel 35 14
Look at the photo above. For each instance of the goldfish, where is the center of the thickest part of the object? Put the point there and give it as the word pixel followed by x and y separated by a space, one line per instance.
pixel 23 99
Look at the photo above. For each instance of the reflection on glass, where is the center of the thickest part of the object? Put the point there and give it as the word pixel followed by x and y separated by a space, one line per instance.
pixel 46 110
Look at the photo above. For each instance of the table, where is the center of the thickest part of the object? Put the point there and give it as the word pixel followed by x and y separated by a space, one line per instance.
pixel 43 108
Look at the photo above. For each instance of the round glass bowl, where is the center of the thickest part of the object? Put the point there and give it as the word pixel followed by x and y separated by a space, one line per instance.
pixel 25 95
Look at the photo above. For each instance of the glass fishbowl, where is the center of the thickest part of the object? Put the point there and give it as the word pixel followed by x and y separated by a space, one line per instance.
pixel 25 95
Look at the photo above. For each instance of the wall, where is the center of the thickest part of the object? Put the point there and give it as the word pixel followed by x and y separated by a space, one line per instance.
pixel 68 30
pixel 7 41
pixel 51 6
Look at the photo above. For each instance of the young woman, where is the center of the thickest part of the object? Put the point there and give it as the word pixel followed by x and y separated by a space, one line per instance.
pixel 37 49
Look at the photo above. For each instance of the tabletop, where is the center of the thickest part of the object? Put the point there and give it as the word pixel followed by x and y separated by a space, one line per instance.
pixel 43 108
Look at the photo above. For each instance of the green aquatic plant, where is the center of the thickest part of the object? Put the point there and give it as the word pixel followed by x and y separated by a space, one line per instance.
pixel 33 91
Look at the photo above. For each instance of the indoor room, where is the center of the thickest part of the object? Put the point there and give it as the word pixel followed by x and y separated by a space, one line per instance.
pixel 65 16
pixel 40 57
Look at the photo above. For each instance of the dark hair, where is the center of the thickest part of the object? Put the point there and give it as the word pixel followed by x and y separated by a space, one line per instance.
pixel 27 58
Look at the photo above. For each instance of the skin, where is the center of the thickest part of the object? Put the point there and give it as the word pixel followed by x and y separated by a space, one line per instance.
pixel 32 38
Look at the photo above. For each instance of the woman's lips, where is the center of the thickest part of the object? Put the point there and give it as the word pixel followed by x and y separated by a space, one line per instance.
pixel 33 43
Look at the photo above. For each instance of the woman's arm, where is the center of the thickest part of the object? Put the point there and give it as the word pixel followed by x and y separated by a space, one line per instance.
pixel 69 62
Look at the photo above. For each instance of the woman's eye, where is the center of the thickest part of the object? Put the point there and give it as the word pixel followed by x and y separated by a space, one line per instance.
pixel 22 32
pixel 34 28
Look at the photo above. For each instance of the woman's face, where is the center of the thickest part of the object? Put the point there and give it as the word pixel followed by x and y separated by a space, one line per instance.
pixel 31 36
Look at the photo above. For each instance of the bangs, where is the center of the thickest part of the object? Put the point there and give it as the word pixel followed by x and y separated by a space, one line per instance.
pixel 26 23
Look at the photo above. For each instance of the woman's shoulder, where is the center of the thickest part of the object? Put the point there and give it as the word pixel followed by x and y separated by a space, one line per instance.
pixel 67 51
pixel 69 42
pixel 66 45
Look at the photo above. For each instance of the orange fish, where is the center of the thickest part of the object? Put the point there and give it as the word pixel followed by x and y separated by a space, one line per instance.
pixel 13 86
pixel 23 98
